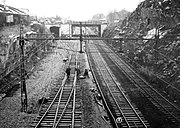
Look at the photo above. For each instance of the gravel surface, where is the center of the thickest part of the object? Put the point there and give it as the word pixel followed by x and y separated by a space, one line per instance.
pixel 38 85
pixel 93 112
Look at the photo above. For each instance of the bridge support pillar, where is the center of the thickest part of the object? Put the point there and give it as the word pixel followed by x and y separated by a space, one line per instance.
pixel 81 38
pixel 99 30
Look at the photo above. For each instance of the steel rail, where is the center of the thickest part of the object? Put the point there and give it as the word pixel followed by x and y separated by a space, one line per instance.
pixel 39 122
pixel 109 88
pixel 113 120
pixel 143 88
pixel 132 108
pixel 58 93
pixel 57 109
pixel 72 96
pixel 99 88
pixel 69 98
pixel 145 126
pixel 158 76
pixel 156 100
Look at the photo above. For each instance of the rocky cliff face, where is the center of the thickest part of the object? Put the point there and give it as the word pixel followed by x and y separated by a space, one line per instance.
pixel 152 14
pixel 153 19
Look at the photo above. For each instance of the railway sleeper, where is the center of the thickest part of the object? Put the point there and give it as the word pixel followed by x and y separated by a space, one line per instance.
pixel 67 125
pixel 172 119
pixel 54 112
pixel 60 111
pixel 130 115
pixel 62 121
pixel 133 119
pixel 49 116
pixel 132 125
pixel 68 121
pixel 135 123
pixel 64 125
pixel 65 119
pixel 129 109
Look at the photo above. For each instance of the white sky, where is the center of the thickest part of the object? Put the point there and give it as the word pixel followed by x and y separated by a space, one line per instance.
pixel 74 9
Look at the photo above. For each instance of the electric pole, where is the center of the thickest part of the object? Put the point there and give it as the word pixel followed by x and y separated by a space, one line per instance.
pixel 23 72
pixel 81 38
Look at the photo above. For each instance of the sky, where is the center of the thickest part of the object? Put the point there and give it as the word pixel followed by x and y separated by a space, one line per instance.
pixel 73 9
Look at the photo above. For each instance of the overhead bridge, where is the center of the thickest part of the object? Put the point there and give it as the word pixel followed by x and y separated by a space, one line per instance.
pixel 95 28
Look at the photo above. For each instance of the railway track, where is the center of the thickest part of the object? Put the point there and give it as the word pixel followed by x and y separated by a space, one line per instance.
pixel 170 111
pixel 125 113
pixel 63 108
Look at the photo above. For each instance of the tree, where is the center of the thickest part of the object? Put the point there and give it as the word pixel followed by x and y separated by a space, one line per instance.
pixel 58 18
pixel 110 17
pixel 115 15
pixel 98 16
